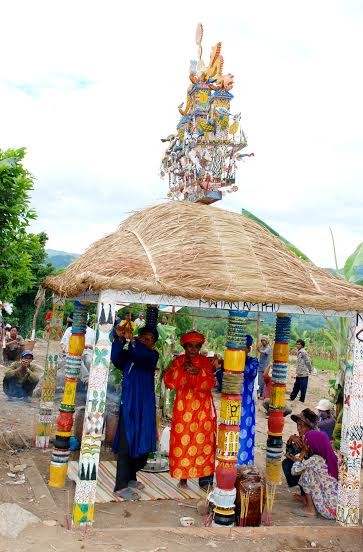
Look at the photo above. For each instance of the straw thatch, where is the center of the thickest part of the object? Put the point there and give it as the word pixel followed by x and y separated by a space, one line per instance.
pixel 202 252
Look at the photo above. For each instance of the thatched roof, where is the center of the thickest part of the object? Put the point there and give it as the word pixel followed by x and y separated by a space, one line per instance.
pixel 202 252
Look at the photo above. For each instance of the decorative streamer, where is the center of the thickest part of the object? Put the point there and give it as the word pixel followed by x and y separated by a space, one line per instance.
pixel 274 448
pixel 45 418
pixel 228 430
pixel 84 500
pixel 58 469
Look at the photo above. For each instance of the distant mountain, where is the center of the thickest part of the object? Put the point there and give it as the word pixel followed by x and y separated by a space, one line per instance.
pixel 60 259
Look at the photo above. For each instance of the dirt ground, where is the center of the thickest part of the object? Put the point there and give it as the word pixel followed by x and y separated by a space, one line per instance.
pixel 149 526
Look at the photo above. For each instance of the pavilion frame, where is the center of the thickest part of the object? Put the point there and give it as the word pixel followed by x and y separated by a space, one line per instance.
pixel 350 454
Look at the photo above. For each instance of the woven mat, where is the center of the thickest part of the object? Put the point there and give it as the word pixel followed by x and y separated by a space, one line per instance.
pixel 158 486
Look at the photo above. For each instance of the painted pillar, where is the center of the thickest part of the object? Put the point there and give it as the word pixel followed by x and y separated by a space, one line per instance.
pixel 85 495
pixel 274 449
pixel 152 313
pixel 228 431
pixel 350 455
pixel 60 456
pixel 45 417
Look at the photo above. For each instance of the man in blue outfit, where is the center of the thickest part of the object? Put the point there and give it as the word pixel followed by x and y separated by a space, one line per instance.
pixel 136 432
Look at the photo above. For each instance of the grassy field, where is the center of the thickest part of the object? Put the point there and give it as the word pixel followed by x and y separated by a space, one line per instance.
pixel 325 364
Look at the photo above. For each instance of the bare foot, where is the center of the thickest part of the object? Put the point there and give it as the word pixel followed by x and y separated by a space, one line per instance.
pixel 299 498
pixel 304 512
pixel 183 484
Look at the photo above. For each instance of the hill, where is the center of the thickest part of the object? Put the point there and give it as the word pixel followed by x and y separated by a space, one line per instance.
pixel 60 259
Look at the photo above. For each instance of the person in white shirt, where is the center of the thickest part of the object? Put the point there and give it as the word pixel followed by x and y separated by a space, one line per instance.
pixel 140 321
pixel 87 353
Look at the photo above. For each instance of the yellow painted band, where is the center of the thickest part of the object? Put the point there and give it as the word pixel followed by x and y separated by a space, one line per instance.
pixel 234 360
pixel 63 433
pixel 76 344
pixel 57 476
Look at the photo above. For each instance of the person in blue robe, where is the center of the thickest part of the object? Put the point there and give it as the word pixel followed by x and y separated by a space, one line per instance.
pixel 135 437
pixel 248 418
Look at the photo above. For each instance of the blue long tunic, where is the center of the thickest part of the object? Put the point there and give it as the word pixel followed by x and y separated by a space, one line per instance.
pixel 246 452
pixel 138 405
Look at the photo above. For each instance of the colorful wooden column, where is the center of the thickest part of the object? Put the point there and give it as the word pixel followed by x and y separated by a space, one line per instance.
pixel 45 419
pixel 84 500
pixel 228 431
pixel 274 449
pixel 152 313
pixel 60 456
pixel 350 455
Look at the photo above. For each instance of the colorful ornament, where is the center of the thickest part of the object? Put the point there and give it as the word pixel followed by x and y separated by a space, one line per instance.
pixel 201 157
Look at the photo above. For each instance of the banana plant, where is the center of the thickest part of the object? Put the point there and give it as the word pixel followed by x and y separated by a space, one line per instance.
pixel 165 346
pixel 292 247
pixel 338 332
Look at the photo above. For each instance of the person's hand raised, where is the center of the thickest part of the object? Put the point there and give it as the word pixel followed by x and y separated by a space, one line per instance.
pixel 191 369
pixel 295 440
pixel 120 330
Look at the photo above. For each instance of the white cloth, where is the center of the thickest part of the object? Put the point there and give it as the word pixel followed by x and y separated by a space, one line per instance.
pixel 90 340
pixel 140 323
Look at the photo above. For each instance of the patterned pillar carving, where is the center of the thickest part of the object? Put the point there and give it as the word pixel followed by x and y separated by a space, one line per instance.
pixel 350 455
pixel 229 427
pixel 85 495
pixel 274 449
pixel 45 417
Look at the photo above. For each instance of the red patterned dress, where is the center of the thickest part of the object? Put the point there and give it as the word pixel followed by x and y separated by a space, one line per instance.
pixel 193 427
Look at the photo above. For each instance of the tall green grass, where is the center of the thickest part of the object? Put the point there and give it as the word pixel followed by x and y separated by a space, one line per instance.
pixel 325 364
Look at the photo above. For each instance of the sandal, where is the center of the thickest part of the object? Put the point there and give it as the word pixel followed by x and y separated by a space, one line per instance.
pixel 302 512
pixel 134 484
pixel 127 494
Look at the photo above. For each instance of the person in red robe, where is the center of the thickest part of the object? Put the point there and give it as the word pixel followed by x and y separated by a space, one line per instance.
pixel 193 427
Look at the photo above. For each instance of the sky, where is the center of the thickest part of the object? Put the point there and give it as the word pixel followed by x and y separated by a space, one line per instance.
pixel 90 87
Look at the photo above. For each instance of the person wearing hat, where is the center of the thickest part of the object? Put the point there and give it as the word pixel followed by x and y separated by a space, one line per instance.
pixel 326 420
pixel 135 437
pixel 265 358
pixel 193 426
pixel 21 378
pixel 305 421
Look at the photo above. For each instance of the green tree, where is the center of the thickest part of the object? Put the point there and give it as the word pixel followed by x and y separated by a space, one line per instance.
pixel 15 215
pixel 24 303
pixel 338 329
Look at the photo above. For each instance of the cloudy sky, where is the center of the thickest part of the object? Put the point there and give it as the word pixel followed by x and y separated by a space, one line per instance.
pixel 89 87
